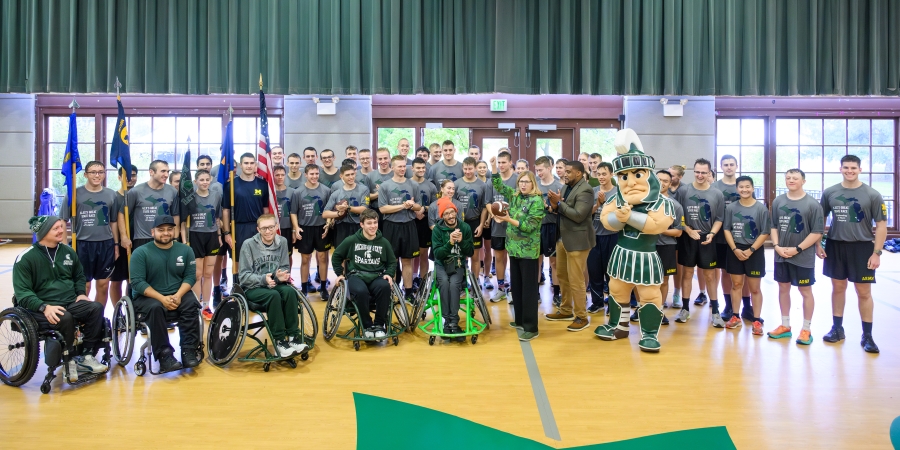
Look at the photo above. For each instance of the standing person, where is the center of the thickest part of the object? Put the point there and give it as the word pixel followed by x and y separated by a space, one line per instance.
pixel 704 211
pixel 576 239
pixel 120 270
pixel 475 153
pixel 251 200
pixel 435 154
pixel 677 172
pixel 452 241
pixel 175 179
pixel 310 155
pixel 374 179
pixel 853 251
pixel 204 162
pixel 145 202
pixel 427 194
pixel 481 169
pixel 797 226
pixel 521 167
pixel 448 167
pixel 543 166
pixel 423 154
pixel 584 158
pixel 728 186
pixel 307 207
pixel 283 195
pixel 204 237
pixel 471 193
pixel 747 225
pixel 277 155
pixel 594 163
pixel 295 174
pixel 398 204
pixel 448 190
pixel 96 233
pixel 329 173
pixel 561 168
pixel 357 201
pixel 403 150
pixel 502 167
pixel 350 152
pixel 365 161
pixel 523 242
pixel 666 244
pixel 605 240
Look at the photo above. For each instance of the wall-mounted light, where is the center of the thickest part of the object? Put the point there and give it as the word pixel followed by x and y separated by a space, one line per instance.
pixel 326 109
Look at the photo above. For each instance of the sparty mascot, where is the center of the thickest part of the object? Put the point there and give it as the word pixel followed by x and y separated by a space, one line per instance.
pixel 639 213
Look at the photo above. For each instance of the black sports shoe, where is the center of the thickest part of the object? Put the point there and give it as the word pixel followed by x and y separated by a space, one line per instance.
pixel 323 290
pixel 727 312
pixel 868 344
pixel 168 363
pixel 665 320
pixel 189 358
pixel 557 300
pixel 701 299
pixel 634 316
pixel 543 278
pixel 594 309
pixel 835 335
pixel 747 314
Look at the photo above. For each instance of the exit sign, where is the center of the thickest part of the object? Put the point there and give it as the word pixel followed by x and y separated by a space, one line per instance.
pixel 498 104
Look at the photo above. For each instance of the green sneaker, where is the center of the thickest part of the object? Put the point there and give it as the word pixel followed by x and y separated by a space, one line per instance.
pixel 513 324
pixel 527 336
pixel 614 328
pixel 651 319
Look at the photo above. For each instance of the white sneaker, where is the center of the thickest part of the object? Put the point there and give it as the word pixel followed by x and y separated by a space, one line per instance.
pixel 379 333
pixel 73 371
pixel 676 301
pixel 717 321
pixel 89 364
pixel 299 346
pixel 369 334
pixel 683 316
pixel 284 349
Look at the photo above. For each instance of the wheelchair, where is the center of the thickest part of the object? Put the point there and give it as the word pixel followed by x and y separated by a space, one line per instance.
pixel 20 339
pixel 428 301
pixel 125 326
pixel 339 306
pixel 231 325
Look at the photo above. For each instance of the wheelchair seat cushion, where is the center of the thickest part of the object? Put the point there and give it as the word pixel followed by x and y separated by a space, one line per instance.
pixel 256 307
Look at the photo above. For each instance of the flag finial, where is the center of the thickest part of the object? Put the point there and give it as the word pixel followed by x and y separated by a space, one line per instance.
pixel 230 112
pixel 260 81
pixel 74 105
pixel 118 85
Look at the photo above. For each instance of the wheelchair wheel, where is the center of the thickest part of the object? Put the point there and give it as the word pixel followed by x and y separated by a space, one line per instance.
pixel 418 312
pixel 123 330
pixel 227 330
pixel 334 310
pixel 19 346
pixel 399 306
pixel 478 299
pixel 309 324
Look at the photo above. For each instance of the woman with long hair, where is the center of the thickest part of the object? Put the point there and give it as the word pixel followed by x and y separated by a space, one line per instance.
pixel 448 190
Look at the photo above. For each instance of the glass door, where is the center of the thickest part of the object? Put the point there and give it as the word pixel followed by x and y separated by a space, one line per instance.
pixel 491 141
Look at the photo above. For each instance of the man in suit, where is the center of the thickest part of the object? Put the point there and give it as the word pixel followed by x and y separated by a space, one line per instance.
pixel 576 238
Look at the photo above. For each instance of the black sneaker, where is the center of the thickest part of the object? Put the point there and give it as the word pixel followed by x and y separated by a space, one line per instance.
pixel 304 287
pixel 634 316
pixel 168 363
pixel 190 358
pixel 416 282
pixel 665 320
pixel 747 314
pixel 868 344
pixel 594 309
pixel 323 290
pixel 557 300
pixel 835 335
pixel 701 299
pixel 543 278
pixel 727 312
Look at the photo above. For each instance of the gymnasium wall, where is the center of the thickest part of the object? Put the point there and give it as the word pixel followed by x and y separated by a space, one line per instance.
pixel 16 162
pixel 352 124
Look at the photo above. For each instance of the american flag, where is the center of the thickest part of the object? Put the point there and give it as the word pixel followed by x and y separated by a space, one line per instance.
pixel 263 154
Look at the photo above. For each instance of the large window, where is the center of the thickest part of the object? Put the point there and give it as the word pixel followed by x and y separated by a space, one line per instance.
pixel 390 137
pixel 745 140
pixel 599 140
pixel 459 136
pixel 58 131
pixel 246 135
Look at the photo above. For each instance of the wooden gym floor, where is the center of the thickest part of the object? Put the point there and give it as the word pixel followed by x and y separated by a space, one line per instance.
pixel 769 394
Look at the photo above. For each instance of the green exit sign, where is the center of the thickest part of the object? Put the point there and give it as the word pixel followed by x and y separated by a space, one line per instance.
pixel 498 104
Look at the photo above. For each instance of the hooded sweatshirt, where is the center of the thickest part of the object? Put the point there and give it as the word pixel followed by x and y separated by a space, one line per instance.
pixel 444 251
pixel 368 259
pixel 38 280
pixel 259 259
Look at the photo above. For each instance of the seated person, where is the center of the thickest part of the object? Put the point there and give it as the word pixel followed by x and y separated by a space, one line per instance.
pixel 370 259
pixel 265 275
pixel 48 281
pixel 453 244
pixel 161 278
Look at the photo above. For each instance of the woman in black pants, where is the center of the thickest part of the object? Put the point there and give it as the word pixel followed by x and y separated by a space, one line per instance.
pixel 523 241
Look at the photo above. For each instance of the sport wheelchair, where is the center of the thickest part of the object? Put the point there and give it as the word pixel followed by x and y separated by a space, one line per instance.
pixel 125 325
pixel 20 339
pixel 428 301
pixel 338 307
pixel 230 325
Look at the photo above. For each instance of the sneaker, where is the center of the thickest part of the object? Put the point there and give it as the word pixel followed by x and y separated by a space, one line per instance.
pixel 805 337
pixel 298 345
pixel 508 296
pixel 284 349
pixel 676 301
pixel 757 328
pixel 189 358
pixel 868 344
pixel 747 314
pixel 594 309
pixel 323 290
pixel 89 364
pixel 701 299
pixel 557 300
pixel 513 324
pixel 733 322
pixel 207 314
pixel 664 304
pixel 305 287
pixel 717 321
pixel 634 317
pixel 168 363
pixel 683 316
pixel 727 312
pixel 835 335
pixel 578 324
pixel 369 333
pixel 665 320
pixel 73 371
pixel 558 316
pixel 379 332
pixel 488 286
pixel 780 332
pixel 527 336
pixel 543 279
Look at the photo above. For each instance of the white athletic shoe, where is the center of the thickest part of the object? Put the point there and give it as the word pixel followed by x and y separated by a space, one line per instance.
pixel 73 371
pixel 299 346
pixel 683 316
pixel 284 349
pixel 89 364
pixel 717 321
pixel 379 333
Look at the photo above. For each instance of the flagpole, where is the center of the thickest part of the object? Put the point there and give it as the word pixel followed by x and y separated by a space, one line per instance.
pixel 234 255
pixel 125 173
pixel 74 106
pixel 187 226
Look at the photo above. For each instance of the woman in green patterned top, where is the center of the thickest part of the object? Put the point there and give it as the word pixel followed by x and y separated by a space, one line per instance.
pixel 523 239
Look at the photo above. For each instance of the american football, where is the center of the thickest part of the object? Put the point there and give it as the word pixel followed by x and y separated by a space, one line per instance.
pixel 499 208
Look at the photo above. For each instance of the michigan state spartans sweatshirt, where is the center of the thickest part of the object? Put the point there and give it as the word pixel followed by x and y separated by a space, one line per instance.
pixel 42 276
pixel 370 259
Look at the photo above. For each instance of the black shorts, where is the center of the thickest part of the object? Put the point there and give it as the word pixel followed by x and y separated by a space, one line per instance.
pixel 722 253
pixel 288 233
pixel 204 243
pixel 693 254
pixel 313 240
pixel 498 243
pixel 98 258
pixel 120 271
pixel 548 239
pixel 786 272
pixel 753 267
pixel 477 241
pixel 849 261
pixel 423 232
pixel 342 231
pixel 667 257
pixel 486 233
pixel 403 238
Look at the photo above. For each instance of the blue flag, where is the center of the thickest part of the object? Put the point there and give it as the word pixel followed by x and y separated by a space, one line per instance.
pixel 226 163
pixel 120 151
pixel 71 158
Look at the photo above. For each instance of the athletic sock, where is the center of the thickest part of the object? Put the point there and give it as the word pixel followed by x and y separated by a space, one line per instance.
pixel 806 324
pixel 867 327
pixel 715 306
pixel 838 321
pixel 686 306
pixel 500 283
pixel 786 321
pixel 746 301
pixel 727 298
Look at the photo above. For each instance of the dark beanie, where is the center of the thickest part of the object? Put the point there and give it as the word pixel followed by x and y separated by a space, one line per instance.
pixel 41 225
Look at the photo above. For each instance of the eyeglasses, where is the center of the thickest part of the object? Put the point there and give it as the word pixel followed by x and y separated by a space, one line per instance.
pixel 525 181
pixel 95 172
pixel 268 228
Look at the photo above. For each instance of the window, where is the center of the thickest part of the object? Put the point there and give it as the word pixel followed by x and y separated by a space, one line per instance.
pixel 599 140
pixel 459 136
pixel 745 140
pixel 390 137
pixel 58 131
pixel 817 145
pixel 246 135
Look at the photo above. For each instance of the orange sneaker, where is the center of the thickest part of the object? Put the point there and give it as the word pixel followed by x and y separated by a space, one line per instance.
pixel 805 337
pixel 207 314
pixel 733 322
pixel 757 328
pixel 780 332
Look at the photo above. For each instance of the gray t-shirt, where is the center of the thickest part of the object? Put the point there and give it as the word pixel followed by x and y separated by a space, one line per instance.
pixel 795 220
pixel 441 171
pixel 729 191
pixel 556 186
pixel 853 211
pixel 677 224
pixel 205 211
pixel 308 204
pixel 144 204
pixel 358 196
pixel 433 217
pixel 328 180
pixel 295 183
pixel 746 224
pixel 374 179
pixel 599 229
pixel 284 206
pixel 472 197
pixel 94 212
pixel 498 229
pixel 427 193
pixel 701 208
pixel 392 193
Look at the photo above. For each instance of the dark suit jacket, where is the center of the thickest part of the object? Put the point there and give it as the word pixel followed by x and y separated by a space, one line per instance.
pixel 576 227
